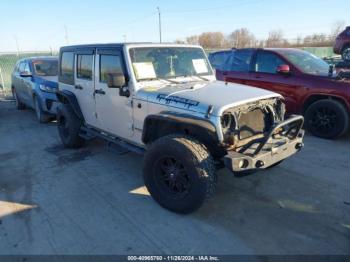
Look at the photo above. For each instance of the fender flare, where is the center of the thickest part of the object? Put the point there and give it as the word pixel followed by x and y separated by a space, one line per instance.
pixel 67 97
pixel 166 123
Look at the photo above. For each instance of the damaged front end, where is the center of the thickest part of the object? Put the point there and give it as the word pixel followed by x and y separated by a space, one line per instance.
pixel 257 136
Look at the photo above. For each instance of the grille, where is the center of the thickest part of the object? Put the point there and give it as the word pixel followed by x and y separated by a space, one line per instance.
pixel 253 123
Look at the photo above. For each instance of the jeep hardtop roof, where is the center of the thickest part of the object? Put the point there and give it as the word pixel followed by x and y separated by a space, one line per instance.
pixel 121 45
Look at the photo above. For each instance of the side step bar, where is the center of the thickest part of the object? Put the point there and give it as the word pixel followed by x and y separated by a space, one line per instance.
pixel 91 133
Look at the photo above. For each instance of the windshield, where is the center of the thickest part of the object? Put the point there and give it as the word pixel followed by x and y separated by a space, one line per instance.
pixel 308 63
pixel 153 63
pixel 45 67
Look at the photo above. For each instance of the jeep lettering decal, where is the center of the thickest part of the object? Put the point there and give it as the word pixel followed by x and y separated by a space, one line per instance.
pixel 177 100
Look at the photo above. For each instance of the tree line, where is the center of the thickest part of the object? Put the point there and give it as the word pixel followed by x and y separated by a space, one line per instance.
pixel 243 38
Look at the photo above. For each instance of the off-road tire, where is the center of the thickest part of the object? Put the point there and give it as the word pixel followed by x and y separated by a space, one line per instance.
pixel 39 112
pixel 346 54
pixel 197 164
pixel 334 112
pixel 19 104
pixel 69 125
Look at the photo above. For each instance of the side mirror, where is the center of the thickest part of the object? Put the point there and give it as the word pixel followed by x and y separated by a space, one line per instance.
pixel 116 80
pixel 26 74
pixel 283 70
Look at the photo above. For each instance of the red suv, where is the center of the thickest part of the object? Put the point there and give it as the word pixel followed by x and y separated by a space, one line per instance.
pixel 308 84
pixel 342 44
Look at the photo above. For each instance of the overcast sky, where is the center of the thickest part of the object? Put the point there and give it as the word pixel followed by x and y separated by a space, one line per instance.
pixel 40 24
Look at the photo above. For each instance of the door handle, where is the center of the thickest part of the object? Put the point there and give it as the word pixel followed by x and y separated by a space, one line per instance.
pixel 258 77
pixel 79 87
pixel 100 92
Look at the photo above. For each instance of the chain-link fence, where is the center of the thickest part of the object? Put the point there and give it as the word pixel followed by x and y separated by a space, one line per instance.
pixel 8 62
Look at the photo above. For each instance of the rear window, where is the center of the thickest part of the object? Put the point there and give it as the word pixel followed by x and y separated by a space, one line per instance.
pixel 67 68
pixel 84 67
pixel 218 60
pixel 240 60
pixel 45 67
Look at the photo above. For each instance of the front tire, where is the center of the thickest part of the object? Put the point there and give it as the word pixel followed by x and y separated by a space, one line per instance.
pixel 346 53
pixel 327 119
pixel 40 114
pixel 69 126
pixel 19 104
pixel 179 173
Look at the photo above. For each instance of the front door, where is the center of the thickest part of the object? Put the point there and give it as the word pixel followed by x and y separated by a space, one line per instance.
pixel 114 111
pixel 27 83
pixel 264 75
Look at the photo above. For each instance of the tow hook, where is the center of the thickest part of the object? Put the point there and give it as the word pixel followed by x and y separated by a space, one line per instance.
pixel 299 146
pixel 259 164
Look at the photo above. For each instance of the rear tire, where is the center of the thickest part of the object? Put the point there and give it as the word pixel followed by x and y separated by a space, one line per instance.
pixel 179 173
pixel 19 104
pixel 40 114
pixel 327 119
pixel 346 53
pixel 69 126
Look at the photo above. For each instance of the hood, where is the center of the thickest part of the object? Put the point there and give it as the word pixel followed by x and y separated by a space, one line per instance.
pixel 198 97
pixel 51 81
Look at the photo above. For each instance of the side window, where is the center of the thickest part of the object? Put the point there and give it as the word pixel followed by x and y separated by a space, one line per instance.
pixel 21 67
pixel 110 65
pixel 16 69
pixel 67 68
pixel 218 60
pixel 241 59
pixel 84 66
pixel 26 67
pixel 267 62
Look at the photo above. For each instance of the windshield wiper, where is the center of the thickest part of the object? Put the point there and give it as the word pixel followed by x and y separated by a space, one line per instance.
pixel 157 79
pixel 200 77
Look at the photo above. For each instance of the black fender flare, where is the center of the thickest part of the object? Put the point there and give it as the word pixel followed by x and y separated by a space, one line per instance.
pixel 67 97
pixel 166 123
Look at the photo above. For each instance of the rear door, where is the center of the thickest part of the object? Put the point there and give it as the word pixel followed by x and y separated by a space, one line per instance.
pixel 85 84
pixel 113 110
pixel 17 79
pixel 77 76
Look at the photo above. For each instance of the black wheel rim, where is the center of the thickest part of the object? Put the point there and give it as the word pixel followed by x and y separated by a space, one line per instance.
pixel 171 177
pixel 63 126
pixel 347 54
pixel 324 120
pixel 15 97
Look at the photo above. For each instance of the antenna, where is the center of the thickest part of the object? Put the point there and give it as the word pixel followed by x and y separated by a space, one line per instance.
pixel 160 25
pixel 17 46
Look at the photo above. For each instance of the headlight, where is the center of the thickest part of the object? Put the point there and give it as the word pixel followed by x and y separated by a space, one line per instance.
pixel 46 88
pixel 228 122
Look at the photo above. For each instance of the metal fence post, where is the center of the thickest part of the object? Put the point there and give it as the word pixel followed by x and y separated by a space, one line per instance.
pixel 2 80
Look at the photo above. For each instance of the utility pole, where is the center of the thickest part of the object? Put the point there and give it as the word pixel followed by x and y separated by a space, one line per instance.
pixel 124 37
pixel 17 46
pixel 160 25
pixel 66 34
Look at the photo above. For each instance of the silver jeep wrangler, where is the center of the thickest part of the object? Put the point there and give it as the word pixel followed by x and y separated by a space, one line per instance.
pixel 163 100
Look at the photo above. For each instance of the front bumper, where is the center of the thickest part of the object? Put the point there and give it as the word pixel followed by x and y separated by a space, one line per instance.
pixel 284 140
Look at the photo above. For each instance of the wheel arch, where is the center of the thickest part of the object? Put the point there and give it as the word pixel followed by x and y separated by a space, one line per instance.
pixel 67 97
pixel 346 45
pixel 167 123
pixel 317 97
